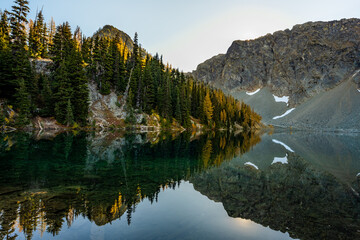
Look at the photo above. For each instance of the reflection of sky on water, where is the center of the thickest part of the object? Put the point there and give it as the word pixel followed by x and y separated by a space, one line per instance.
pixel 179 214
pixel 185 213
pixel 337 154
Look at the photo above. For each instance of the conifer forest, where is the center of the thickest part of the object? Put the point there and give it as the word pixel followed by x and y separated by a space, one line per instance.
pixel 142 82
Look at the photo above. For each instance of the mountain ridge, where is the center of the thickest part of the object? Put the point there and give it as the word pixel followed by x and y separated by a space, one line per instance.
pixel 275 59
pixel 301 63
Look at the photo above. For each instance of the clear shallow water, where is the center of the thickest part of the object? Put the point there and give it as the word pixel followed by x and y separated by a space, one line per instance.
pixel 116 186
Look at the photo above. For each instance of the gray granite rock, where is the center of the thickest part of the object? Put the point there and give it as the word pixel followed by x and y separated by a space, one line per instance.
pixel 302 62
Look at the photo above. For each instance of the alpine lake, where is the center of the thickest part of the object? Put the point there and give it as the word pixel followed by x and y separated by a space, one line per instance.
pixel 218 185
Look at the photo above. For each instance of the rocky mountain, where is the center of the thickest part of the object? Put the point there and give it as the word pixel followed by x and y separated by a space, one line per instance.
pixel 111 31
pixel 293 68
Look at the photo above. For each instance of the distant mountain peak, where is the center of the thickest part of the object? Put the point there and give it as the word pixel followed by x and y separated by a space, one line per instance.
pixel 111 32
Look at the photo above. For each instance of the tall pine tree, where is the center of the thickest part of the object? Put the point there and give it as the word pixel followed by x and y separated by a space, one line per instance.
pixel 208 108
pixel 7 83
pixel 38 42
pixel 21 68
pixel 23 103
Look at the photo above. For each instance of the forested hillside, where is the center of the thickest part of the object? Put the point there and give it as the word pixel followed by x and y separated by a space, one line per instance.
pixel 143 82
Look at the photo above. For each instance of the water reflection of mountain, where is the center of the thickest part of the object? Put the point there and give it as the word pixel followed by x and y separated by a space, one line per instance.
pixel 314 194
pixel 45 184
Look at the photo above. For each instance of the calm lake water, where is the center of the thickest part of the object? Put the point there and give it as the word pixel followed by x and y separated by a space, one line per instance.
pixel 147 186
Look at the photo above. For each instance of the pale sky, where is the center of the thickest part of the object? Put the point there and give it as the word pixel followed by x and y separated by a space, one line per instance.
pixel 188 32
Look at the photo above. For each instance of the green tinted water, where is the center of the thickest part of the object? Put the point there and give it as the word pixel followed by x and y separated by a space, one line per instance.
pixel 215 186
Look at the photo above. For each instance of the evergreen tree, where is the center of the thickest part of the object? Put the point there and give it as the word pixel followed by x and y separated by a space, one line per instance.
pixel 79 87
pixel 216 108
pixel 108 60
pixel 86 50
pixel 21 69
pixel 69 77
pixel 194 101
pixel 134 83
pixel 69 119
pixel 18 21
pixel 61 51
pixel 160 100
pixel 7 84
pixel 63 92
pixel 135 58
pixel 140 96
pixel 47 97
pixel 120 80
pixel 62 44
pixel 44 41
pixel 105 88
pixel 51 33
pixel 154 86
pixel 38 43
pixel 208 108
pixel 33 87
pixel 23 104
pixel 185 106
pixel 200 106
pixel 166 111
pixel 4 32
pixel 98 68
pixel 31 37
pixel 117 67
pixel 77 37
pixel 2 116
pixel 96 59
pixel 149 88
pixel 130 116
pixel 177 107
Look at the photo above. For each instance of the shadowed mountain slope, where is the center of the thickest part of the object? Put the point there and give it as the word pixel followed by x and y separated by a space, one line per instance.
pixel 314 64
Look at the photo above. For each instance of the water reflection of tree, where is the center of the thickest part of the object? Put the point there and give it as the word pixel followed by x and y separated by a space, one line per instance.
pixel 45 183
pixel 220 147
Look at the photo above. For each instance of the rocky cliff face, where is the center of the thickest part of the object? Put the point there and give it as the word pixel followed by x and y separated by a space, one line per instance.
pixel 104 110
pixel 300 63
